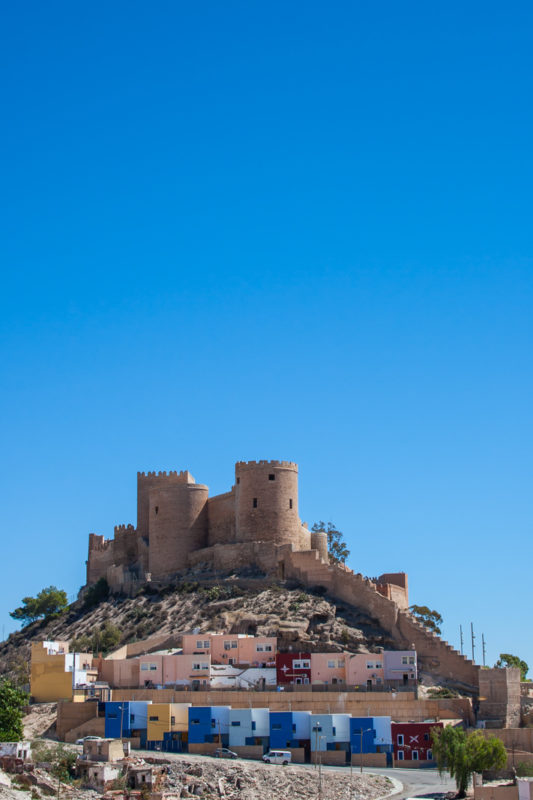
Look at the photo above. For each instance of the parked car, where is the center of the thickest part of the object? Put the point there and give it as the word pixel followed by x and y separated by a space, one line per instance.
pixel 224 752
pixel 88 739
pixel 278 757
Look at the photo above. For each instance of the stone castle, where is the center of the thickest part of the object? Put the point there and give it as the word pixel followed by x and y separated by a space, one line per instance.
pixel 180 527
pixel 254 525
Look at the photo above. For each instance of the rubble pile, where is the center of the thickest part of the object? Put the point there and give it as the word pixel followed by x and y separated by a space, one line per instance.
pixel 256 781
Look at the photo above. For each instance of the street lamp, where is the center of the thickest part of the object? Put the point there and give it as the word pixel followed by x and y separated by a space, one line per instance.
pixel 319 754
pixel 360 731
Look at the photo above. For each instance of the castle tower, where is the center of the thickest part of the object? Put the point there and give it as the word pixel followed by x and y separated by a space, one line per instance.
pixel 319 541
pixel 177 524
pixel 266 502
pixel 146 481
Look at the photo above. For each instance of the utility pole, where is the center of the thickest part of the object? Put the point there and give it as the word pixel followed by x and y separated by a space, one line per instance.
pixel 473 638
pixel 462 640
pixel 483 646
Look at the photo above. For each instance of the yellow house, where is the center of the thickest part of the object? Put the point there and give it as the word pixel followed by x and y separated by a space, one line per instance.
pixel 56 673
pixel 167 718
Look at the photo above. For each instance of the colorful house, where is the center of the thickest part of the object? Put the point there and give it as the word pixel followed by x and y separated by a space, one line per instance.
pixel 209 724
pixel 249 726
pixel 293 668
pixel 365 669
pixel 412 740
pixel 55 673
pixel 127 718
pixel 400 666
pixel 165 718
pixel 330 732
pixel 328 668
pixel 237 648
pixel 370 735
pixel 290 729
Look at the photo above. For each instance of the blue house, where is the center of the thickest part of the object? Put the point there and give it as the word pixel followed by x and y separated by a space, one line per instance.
pixel 330 732
pixel 209 724
pixel 370 735
pixel 127 718
pixel 290 729
pixel 249 726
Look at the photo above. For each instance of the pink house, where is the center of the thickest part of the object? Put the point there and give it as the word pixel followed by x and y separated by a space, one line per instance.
pixel 328 668
pixel 364 669
pixel 236 648
pixel 174 669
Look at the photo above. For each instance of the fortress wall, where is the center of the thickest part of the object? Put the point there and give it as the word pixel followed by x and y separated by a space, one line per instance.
pixel 267 502
pixel 146 481
pixel 125 545
pixel 178 526
pixel 101 556
pixel 434 654
pixel 226 557
pixel 221 518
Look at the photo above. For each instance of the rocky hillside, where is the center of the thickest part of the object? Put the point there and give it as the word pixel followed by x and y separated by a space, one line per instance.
pixel 298 618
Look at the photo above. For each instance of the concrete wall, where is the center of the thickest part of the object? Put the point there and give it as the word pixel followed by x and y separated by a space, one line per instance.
pixel 492 792
pixel 370 759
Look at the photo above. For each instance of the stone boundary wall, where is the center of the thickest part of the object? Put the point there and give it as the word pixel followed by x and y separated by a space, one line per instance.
pixel 369 759
pixel 331 758
pixel 412 764
pixel 249 751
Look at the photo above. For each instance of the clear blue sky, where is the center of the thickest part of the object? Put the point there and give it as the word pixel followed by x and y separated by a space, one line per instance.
pixel 249 230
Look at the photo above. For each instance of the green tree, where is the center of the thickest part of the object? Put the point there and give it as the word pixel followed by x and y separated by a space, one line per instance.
pixel 101 640
pixel 337 550
pixel 462 754
pixel 508 660
pixel 96 593
pixel 49 603
pixel 429 619
pixel 61 759
pixel 12 701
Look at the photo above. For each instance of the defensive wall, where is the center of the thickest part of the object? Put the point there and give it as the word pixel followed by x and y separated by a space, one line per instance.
pixel 434 654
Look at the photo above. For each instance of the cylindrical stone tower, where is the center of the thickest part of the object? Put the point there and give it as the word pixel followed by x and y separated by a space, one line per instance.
pixel 319 541
pixel 266 502
pixel 177 526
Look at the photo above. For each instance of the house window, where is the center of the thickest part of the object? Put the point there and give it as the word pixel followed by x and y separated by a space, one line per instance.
pixel 154 719
pixel 271 477
pixel 317 728
pixel 332 664
pixel 194 721
pixel 268 648
pixel 379 665
pixel 276 726
pixel 259 648
pixel 294 727
pixel 411 659
pixel 199 643
pixel 234 645
pixel 429 755
pixel 405 660
pixel 132 717
pixel 156 509
pixel 254 502
pixel 400 755
pixel 370 665
pixel 426 737
pixel 172 720
pixel 235 723
pixel 253 724
pixel 399 740
pixel 290 503
pixel 415 755
pixel 238 480
pixel 334 731
pixel 227 645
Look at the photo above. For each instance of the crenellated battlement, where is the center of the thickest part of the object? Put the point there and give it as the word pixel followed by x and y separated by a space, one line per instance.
pixel 244 464
pixel 97 542
pixel 124 529
pixel 163 474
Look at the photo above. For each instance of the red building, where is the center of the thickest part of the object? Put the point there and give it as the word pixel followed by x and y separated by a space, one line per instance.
pixel 411 741
pixel 293 668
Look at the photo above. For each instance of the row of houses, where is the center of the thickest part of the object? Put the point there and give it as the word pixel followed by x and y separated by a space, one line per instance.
pixel 180 727
pixel 214 661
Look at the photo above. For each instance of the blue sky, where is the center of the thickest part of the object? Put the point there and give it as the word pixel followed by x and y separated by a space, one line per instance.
pixel 299 231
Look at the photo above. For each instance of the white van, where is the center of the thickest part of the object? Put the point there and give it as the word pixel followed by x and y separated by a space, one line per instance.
pixel 278 757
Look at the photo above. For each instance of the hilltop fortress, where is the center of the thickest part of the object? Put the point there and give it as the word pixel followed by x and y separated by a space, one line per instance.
pixel 255 525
